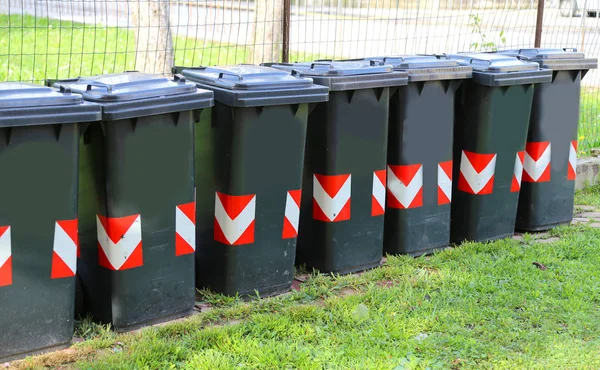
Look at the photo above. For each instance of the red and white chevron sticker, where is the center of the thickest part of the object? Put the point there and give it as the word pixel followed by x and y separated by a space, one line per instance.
pixel 515 186
pixel 536 166
pixel 477 173
pixel 572 168
pixel 234 218
pixel 332 197
pixel 185 229
pixel 5 257
pixel 378 195
pixel 65 247
pixel 405 186
pixel 291 216
pixel 444 189
pixel 120 242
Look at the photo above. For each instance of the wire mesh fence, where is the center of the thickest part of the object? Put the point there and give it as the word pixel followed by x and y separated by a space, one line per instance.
pixel 42 39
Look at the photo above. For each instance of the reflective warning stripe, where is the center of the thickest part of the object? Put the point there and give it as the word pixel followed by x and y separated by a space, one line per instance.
pixel 332 197
pixel 120 242
pixel 64 256
pixel 405 186
pixel 536 166
pixel 477 171
pixel 378 194
pixel 5 256
pixel 291 215
pixel 444 182
pixel 234 218
pixel 185 229
pixel 572 169
pixel 518 172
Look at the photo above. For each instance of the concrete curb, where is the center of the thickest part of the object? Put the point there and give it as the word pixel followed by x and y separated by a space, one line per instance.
pixel 587 172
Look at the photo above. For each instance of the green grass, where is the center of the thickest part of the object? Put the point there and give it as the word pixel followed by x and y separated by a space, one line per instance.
pixel 588 196
pixel 589 121
pixel 475 306
pixel 33 49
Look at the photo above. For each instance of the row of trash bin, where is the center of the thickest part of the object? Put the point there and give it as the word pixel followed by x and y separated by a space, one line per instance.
pixel 128 182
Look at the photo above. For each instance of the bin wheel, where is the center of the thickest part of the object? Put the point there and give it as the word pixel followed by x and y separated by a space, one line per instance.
pixel 568 8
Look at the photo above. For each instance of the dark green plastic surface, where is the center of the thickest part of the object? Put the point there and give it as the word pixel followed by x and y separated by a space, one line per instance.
pixel 554 118
pixel 39 140
pixel 420 132
pixel 38 188
pixel 489 120
pixel 137 166
pixel 245 151
pixel 347 135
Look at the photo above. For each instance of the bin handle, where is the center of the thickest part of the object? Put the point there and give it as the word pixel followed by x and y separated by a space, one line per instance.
pixel 92 84
pixel 477 61
pixel 313 65
pixel 223 74
pixel 179 78
pixel 385 59
pixel 296 73
pixel 573 50
pixel 438 56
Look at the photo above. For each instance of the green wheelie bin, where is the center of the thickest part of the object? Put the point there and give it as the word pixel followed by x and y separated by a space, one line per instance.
pixel 344 186
pixel 490 130
pixel 39 144
pixel 137 197
pixel 419 159
pixel 249 160
pixel 549 169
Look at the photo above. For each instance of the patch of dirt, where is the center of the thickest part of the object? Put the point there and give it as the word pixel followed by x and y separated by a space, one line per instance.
pixel 585 208
pixel 347 291
pixel 549 240
pixel 202 307
pixel 579 220
pixel 385 283
pixel 58 359
pixel 595 215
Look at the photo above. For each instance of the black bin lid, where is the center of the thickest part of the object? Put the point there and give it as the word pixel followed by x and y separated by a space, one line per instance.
pixel 347 75
pixel 247 85
pixel 26 104
pixel 555 59
pixel 426 67
pixel 135 94
pixel 492 69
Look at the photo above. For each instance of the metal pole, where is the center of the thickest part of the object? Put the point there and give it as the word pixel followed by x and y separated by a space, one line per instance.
pixel 538 24
pixel 287 10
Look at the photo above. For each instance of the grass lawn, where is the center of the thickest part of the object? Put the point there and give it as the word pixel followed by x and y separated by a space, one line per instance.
pixel 35 49
pixel 589 121
pixel 475 306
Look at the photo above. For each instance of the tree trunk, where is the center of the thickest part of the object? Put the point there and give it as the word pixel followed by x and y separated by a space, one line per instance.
pixel 154 42
pixel 266 37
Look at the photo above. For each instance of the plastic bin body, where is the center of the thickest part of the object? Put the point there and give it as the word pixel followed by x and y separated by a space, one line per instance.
pixel 249 159
pixel 137 202
pixel 492 119
pixel 39 139
pixel 419 158
pixel 343 194
pixel 547 193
